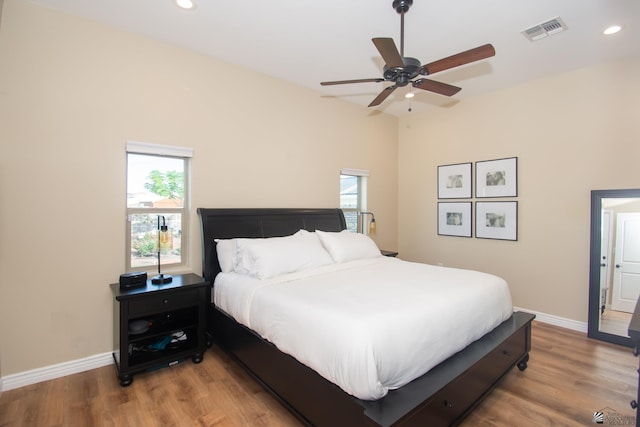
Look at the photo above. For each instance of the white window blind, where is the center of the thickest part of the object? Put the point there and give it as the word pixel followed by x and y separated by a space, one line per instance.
pixel 354 172
pixel 158 149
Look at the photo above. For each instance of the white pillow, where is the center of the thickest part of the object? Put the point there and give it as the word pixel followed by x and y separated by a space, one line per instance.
pixel 347 246
pixel 269 257
pixel 226 249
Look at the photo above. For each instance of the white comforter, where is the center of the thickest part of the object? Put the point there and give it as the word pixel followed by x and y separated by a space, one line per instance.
pixel 369 325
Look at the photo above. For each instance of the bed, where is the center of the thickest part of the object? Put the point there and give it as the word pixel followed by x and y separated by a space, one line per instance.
pixel 444 395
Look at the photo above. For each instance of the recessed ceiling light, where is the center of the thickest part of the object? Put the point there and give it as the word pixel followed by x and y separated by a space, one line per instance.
pixel 186 4
pixel 612 30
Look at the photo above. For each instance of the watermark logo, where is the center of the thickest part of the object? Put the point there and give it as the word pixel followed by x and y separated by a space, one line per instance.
pixel 609 416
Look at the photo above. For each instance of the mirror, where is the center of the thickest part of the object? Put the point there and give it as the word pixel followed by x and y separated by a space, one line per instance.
pixel 614 268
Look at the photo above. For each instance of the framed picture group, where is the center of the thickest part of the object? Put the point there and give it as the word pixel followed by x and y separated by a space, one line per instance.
pixel 493 219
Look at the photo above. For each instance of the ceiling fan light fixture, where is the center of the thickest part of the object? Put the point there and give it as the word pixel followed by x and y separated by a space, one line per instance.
pixel 402 70
pixel 611 30
pixel 186 4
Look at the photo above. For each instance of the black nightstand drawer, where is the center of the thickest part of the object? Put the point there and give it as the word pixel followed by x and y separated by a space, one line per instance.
pixel 158 303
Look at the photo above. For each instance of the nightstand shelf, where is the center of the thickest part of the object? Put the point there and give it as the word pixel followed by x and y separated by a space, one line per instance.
pixel 169 320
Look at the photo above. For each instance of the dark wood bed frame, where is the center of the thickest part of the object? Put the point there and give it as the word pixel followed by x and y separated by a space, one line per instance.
pixel 441 397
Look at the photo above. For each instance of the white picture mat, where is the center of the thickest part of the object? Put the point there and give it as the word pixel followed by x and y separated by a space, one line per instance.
pixel 454 181
pixel 497 220
pixel 497 178
pixel 454 219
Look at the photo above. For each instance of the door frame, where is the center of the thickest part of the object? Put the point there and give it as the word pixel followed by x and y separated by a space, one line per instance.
pixel 606 252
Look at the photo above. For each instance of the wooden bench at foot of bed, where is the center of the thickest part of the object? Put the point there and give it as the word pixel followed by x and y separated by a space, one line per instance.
pixel 441 397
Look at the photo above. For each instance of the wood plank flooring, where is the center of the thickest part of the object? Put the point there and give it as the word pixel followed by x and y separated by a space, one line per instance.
pixel 615 322
pixel 568 379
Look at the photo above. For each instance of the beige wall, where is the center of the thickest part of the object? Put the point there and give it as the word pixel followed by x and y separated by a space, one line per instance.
pixel 572 133
pixel 72 92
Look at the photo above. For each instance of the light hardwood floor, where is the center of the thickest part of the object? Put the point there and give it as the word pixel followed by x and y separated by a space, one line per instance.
pixel 568 379
pixel 615 322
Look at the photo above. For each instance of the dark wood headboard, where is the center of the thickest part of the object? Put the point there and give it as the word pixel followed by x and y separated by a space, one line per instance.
pixel 255 223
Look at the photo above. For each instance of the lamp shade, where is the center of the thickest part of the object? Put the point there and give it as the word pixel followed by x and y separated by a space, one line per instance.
pixel 165 242
pixel 165 239
pixel 372 226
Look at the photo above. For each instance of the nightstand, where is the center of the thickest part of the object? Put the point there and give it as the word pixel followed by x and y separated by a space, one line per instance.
pixel 389 253
pixel 159 325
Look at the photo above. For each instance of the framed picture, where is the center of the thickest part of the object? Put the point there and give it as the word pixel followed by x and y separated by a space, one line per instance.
pixel 454 181
pixel 497 178
pixel 454 219
pixel 497 220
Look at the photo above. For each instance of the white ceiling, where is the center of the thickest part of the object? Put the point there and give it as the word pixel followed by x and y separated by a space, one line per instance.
pixel 306 42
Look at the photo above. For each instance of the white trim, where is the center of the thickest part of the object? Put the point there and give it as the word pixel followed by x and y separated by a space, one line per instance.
pixel 556 320
pixel 158 150
pixel 99 360
pixel 354 172
pixel 46 373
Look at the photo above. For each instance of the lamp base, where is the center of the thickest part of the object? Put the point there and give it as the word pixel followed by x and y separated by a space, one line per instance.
pixel 161 279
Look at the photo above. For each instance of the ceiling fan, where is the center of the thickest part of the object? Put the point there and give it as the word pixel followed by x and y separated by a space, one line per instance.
pixel 402 69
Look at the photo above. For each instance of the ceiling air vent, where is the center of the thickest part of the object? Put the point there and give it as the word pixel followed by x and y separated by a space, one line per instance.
pixel 540 31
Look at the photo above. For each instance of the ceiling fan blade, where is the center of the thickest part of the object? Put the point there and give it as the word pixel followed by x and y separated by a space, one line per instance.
pixel 382 95
pixel 342 82
pixel 389 52
pixel 458 59
pixel 437 87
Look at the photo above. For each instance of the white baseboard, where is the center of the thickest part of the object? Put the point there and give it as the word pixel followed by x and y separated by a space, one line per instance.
pixel 99 360
pixel 46 373
pixel 556 321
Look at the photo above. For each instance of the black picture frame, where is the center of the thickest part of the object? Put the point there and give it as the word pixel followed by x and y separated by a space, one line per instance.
pixel 455 181
pixel 497 178
pixel 455 219
pixel 497 220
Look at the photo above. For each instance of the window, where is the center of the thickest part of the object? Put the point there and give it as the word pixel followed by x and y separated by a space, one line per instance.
pixel 353 195
pixel 157 194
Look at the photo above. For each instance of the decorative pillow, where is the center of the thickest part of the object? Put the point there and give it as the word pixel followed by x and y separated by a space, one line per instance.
pixel 269 257
pixel 348 246
pixel 226 249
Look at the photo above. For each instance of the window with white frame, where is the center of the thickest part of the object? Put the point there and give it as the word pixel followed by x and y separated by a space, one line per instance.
pixel 157 195
pixel 353 195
